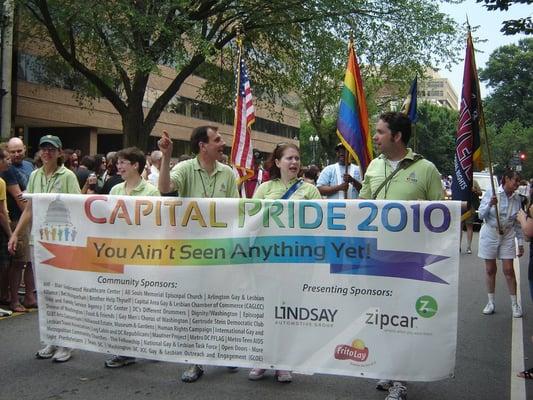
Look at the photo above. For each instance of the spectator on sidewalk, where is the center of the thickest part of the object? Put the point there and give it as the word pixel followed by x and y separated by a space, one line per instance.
pixel 5 231
pixel 16 178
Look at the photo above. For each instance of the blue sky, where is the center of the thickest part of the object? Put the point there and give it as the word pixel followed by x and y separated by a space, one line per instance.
pixel 490 23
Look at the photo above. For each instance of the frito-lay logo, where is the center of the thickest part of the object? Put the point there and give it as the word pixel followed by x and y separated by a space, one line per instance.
pixel 356 352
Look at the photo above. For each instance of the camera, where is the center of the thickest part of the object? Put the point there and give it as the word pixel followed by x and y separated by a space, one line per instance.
pixel 92 186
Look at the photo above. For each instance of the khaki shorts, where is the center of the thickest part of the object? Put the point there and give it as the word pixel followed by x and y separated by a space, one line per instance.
pixel 22 254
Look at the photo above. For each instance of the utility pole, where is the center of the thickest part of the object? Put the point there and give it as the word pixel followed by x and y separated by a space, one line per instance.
pixel 7 61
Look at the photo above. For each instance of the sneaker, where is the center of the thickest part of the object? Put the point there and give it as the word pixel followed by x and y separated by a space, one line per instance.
pixel 62 354
pixel 468 250
pixel 397 392
pixel 383 384
pixel 192 374
pixel 283 376
pixel 5 313
pixel 517 310
pixel 119 361
pixel 46 352
pixel 256 374
pixel 489 308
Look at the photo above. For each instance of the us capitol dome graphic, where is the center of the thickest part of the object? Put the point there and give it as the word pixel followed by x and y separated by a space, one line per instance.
pixel 57 226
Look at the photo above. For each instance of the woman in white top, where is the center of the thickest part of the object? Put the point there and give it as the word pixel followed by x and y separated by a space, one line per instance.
pixel 495 244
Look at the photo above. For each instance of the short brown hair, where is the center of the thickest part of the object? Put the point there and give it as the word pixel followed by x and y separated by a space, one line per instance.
pixel 133 155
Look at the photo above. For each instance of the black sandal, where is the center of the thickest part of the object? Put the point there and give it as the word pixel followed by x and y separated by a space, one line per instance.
pixel 527 374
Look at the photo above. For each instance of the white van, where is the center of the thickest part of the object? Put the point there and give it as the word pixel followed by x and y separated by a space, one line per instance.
pixel 483 180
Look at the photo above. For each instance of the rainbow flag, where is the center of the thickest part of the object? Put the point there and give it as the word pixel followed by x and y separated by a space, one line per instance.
pixel 352 122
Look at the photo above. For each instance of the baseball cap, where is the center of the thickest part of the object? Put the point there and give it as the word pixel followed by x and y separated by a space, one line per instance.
pixel 51 139
pixel 339 146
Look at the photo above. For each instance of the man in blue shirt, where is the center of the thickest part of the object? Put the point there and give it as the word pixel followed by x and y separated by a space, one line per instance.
pixel 16 178
pixel 333 181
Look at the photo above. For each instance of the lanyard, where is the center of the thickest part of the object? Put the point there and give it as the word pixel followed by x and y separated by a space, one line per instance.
pixel 47 185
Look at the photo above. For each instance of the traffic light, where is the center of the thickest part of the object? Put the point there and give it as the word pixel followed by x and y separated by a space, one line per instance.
pixel 522 156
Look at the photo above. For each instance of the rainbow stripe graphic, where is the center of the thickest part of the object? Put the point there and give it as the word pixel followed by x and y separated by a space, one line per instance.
pixel 346 255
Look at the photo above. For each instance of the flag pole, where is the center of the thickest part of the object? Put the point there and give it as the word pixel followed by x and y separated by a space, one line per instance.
pixel 415 143
pixel 484 129
pixel 347 154
pixel 238 40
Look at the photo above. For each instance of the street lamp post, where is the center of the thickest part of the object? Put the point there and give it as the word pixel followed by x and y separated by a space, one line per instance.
pixel 314 144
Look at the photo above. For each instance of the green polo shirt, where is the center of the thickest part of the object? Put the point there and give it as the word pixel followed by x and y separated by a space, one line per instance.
pixel 144 188
pixel 191 180
pixel 419 181
pixel 275 189
pixel 63 180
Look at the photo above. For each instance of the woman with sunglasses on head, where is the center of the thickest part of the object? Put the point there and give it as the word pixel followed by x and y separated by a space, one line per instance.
pixel 497 239
pixel 52 177
pixel 283 167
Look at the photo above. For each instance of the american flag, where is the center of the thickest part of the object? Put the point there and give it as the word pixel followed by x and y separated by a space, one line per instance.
pixel 242 149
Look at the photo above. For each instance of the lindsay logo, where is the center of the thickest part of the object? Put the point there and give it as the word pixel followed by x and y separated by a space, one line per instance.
pixel 357 352
pixel 305 314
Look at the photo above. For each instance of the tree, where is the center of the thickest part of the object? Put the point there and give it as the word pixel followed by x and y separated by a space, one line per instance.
pixel 424 42
pixel 513 137
pixel 509 73
pixel 512 26
pixel 116 45
pixel 435 130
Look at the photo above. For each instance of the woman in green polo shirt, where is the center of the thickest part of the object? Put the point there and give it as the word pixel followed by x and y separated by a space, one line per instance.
pixel 283 167
pixel 52 177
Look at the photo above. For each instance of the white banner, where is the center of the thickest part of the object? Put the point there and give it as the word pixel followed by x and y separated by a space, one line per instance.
pixel 361 288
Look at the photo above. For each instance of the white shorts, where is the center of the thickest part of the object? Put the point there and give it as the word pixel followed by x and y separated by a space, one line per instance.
pixel 494 246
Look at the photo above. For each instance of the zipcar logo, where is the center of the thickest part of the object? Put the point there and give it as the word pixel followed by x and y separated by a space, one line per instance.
pixel 356 352
pixel 384 320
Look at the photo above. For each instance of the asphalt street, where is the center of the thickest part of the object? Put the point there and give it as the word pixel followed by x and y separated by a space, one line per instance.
pixel 483 370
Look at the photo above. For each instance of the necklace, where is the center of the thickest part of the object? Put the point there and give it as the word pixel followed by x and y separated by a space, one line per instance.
pixel 205 189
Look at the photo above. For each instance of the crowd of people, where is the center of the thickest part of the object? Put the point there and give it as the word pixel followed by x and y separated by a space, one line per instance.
pixel 131 172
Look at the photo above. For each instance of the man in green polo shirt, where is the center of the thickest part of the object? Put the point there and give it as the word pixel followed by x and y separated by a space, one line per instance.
pixel 417 178
pixel 203 176
pixel 398 174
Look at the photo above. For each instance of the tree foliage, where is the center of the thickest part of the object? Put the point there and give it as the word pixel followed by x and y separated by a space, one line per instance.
pixel 509 107
pixel 509 73
pixel 511 26
pixel 116 45
pixel 512 138
pixel 435 131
